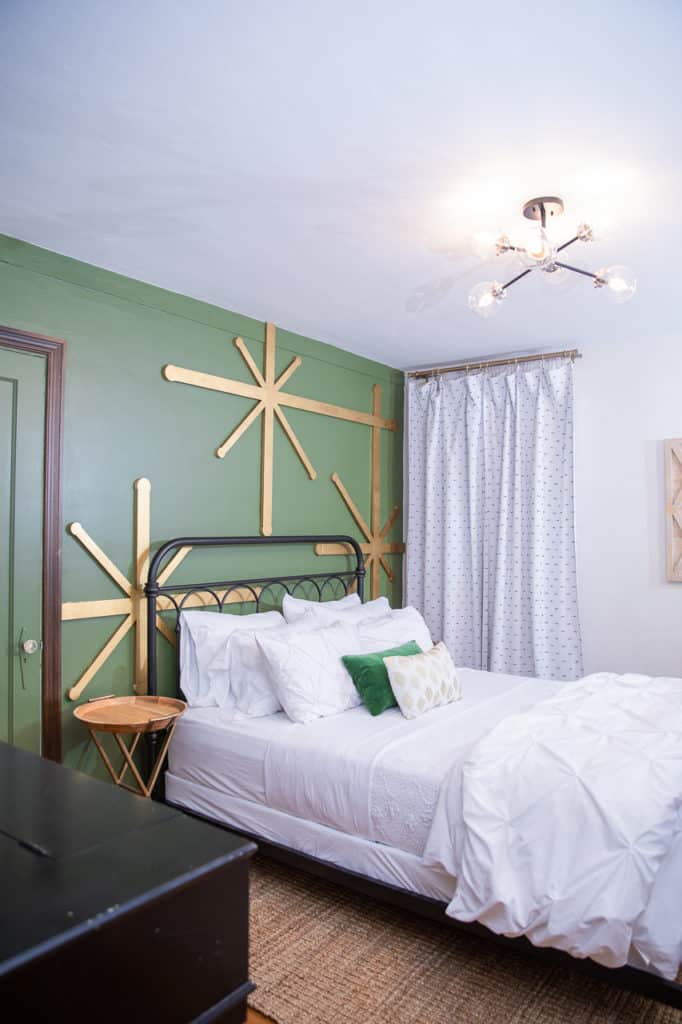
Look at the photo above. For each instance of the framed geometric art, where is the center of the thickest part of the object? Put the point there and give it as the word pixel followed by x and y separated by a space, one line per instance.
pixel 673 508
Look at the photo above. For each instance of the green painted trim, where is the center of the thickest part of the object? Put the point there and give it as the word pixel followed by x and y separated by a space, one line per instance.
pixel 21 574
pixel 8 632
pixel 84 275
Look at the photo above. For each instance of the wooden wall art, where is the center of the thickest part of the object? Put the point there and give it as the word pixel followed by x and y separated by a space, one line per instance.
pixel 673 508
pixel 133 605
pixel 269 396
pixel 375 547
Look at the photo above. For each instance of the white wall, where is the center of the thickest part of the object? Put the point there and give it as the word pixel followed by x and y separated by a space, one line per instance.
pixel 628 400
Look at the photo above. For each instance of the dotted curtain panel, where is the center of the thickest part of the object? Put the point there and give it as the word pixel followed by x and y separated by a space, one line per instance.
pixel 490 535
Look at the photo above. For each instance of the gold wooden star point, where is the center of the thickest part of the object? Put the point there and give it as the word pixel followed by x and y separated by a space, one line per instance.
pixel 267 390
pixel 133 605
pixel 374 547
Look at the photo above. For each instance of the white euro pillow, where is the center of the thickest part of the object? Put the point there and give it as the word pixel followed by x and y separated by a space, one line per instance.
pixel 307 673
pixel 294 607
pixel 325 615
pixel 421 682
pixel 202 633
pixel 392 630
pixel 240 676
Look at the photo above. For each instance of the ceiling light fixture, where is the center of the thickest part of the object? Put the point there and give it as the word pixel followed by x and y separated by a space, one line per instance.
pixel 536 251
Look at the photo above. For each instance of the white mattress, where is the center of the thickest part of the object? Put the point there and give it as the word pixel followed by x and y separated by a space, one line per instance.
pixel 377 778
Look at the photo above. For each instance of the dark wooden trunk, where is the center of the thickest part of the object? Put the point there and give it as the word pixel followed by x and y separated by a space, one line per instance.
pixel 116 907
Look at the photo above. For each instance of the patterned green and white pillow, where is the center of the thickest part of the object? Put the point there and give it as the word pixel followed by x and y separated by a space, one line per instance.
pixel 423 681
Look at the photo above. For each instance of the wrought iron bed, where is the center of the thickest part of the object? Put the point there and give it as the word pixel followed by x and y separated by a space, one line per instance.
pixel 259 591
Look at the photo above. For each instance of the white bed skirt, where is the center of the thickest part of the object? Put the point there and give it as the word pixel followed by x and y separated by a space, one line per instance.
pixel 381 863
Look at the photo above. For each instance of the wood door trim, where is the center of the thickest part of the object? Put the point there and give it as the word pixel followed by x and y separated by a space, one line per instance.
pixel 54 350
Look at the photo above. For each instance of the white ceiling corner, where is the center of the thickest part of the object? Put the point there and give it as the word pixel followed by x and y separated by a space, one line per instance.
pixel 315 163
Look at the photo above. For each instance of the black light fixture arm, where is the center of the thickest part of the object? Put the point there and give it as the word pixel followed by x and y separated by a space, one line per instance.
pixel 515 279
pixel 569 242
pixel 577 270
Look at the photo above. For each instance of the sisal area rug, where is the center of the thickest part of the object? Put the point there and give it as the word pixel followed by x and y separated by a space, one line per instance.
pixel 321 955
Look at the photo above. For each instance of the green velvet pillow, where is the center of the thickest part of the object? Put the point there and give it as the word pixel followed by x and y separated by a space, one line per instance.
pixel 371 678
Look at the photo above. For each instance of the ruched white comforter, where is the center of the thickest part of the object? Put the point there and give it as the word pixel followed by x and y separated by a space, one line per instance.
pixel 559 821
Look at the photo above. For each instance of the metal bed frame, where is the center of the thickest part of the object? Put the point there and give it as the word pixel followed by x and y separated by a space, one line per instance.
pixel 629 978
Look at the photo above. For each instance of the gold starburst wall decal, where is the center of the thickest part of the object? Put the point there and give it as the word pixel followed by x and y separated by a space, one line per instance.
pixel 133 605
pixel 269 396
pixel 375 547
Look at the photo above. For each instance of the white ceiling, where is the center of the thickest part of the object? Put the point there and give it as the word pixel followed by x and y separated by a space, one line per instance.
pixel 314 162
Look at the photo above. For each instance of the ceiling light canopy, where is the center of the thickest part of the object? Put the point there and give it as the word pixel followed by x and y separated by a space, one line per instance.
pixel 535 250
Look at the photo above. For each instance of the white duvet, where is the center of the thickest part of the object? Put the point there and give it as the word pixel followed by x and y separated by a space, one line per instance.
pixel 561 821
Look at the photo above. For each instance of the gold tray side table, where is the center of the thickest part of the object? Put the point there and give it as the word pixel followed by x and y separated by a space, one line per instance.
pixel 131 716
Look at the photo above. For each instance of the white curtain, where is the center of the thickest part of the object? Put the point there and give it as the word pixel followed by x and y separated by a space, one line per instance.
pixel 490 531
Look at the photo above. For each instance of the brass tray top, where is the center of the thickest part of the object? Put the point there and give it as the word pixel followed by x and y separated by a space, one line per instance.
pixel 130 714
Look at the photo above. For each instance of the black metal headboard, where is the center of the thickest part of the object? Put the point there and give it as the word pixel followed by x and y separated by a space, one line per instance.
pixel 176 595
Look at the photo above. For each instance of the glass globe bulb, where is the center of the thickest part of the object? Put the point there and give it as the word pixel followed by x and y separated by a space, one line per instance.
pixel 556 277
pixel 619 282
pixel 485 298
pixel 534 249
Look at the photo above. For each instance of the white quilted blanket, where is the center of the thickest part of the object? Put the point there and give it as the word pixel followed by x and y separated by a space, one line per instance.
pixel 559 820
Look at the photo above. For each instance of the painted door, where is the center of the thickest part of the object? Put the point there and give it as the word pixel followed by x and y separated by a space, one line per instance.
pixel 22 438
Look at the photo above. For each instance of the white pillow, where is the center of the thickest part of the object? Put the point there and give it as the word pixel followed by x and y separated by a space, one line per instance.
pixel 202 633
pixel 423 681
pixel 240 678
pixel 307 673
pixel 394 629
pixel 326 616
pixel 294 607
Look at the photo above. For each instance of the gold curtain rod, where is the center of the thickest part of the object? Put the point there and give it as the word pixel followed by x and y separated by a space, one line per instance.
pixel 571 353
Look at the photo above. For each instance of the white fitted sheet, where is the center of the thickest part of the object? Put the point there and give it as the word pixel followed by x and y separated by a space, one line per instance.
pixel 211 749
pixel 373 777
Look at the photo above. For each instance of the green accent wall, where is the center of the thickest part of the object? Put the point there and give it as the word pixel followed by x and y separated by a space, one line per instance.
pixel 124 421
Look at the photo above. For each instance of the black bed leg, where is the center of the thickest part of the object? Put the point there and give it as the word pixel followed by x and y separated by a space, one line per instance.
pixel 151 751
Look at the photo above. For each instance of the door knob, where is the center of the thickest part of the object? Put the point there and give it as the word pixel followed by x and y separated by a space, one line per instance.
pixel 26 649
